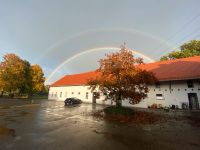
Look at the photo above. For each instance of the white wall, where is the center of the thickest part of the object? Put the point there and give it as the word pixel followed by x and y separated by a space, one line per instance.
pixel 176 96
pixel 70 91
pixel 54 93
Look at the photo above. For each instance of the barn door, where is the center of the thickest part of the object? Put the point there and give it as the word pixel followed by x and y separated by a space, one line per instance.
pixel 193 101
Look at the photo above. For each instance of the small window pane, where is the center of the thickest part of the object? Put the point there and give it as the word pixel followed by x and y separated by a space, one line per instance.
pixel 159 97
pixel 190 84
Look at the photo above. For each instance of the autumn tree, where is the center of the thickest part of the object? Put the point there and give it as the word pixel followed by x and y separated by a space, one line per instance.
pixel 12 73
pixel 121 79
pixel 1 84
pixel 25 86
pixel 17 76
pixel 189 49
pixel 37 79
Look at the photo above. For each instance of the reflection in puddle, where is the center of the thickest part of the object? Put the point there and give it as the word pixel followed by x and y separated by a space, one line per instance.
pixel 7 131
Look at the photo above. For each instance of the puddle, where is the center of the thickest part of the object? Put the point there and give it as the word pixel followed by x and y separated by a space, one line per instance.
pixel 7 131
pixel 9 119
pixel 5 107
pixel 23 113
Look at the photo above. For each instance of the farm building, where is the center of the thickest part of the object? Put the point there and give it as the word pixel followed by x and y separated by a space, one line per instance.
pixel 179 85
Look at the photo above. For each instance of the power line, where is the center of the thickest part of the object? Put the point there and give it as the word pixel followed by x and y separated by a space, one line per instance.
pixel 184 38
pixel 181 29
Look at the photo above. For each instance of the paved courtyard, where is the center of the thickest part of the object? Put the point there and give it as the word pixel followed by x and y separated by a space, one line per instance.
pixel 49 125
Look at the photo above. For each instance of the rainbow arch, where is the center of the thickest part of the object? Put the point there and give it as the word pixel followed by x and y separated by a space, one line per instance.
pixel 90 51
pixel 90 31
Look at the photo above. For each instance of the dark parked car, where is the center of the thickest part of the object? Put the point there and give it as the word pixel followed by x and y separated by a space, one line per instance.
pixel 72 101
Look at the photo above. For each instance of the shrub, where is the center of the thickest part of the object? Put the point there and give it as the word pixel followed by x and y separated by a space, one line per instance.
pixel 113 110
pixel 154 106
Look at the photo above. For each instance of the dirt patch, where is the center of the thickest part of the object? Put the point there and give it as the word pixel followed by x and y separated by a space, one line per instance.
pixel 193 121
pixel 139 117
pixel 7 131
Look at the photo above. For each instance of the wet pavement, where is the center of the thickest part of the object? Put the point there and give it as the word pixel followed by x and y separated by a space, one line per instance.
pixel 49 125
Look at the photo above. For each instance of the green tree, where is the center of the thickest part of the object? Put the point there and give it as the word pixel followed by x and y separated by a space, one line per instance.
pixel 120 77
pixel 189 49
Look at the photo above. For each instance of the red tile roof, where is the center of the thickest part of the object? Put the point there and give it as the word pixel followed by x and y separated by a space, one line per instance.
pixel 75 79
pixel 179 69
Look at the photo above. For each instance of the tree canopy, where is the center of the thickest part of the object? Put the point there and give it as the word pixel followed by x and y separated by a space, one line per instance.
pixel 37 79
pixel 189 49
pixel 121 78
pixel 17 76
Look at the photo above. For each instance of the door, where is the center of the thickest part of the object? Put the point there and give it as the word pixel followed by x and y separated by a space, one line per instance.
pixel 193 101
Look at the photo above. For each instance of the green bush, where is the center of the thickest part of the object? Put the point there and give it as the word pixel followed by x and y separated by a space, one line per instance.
pixel 113 110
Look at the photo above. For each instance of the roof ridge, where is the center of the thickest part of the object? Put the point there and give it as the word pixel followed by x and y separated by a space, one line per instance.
pixel 176 69
pixel 171 60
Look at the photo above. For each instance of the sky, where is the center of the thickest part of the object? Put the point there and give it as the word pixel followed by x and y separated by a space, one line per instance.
pixel 70 36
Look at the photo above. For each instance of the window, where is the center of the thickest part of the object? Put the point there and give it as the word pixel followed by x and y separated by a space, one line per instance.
pixel 159 97
pixel 72 93
pixel 190 84
pixel 60 94
pixel 52 94
pixel 157 85
pixel 79 93
pixel 56 94
pixel 86 95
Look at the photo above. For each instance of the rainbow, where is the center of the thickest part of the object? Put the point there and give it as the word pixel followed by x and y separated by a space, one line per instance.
pixel 86 33
pixel 90 51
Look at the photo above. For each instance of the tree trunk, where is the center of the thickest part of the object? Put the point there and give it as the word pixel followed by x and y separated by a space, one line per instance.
pixel 11 95
pixel 30 95
pixel 2 93
pixel 119 101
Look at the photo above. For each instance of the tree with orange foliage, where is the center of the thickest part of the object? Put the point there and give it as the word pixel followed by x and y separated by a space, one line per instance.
pixel 38 79
pixel 13 73
pixel 18 77
pixel 121 78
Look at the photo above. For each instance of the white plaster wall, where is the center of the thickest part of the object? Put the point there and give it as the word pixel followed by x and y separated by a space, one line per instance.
pixel 82 90
pixel 70 91
pixel 177 95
